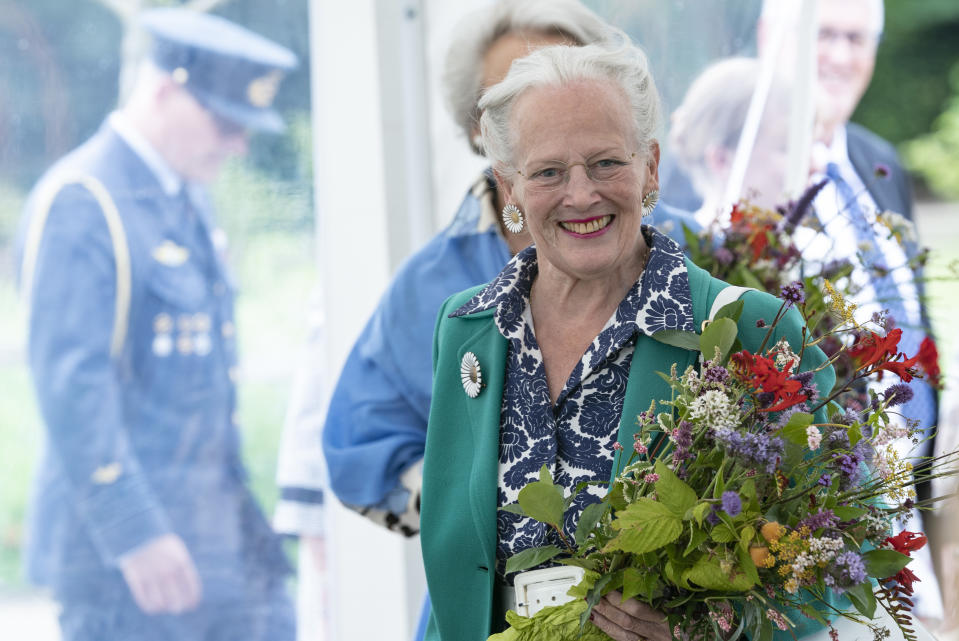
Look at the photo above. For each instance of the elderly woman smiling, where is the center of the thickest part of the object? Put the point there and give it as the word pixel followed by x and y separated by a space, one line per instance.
pixel 551 362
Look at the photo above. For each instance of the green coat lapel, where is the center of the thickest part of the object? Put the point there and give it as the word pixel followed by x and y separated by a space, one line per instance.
pixel 489 346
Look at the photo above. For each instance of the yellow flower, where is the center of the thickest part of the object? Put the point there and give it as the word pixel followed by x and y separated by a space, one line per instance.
pixel 838 305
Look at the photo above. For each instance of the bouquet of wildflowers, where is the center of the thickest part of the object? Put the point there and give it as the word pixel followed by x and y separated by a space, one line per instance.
pixel 737 512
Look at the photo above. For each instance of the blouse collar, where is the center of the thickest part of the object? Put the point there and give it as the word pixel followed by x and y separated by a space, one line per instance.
pixel 660 299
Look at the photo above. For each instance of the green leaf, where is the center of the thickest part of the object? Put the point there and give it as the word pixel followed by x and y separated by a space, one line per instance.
pixel 746 536
pixel 545 476
pixel 633 583
pixel 722 534
pixel 747 565
pixel 731 310
pixel 811 611
pixel 645 525
pixel 673 492
pixel 720 333
pixel 849 513
pixel 531 558
pixel 707 573
pixel 700 511
pixel 696 538
pixel 766 630
pixel 591 515
pixel 513 508
pixel 795 430
pixel 543 501
pixel 863 598
pixel 882 564
pixel 855 434
pixel 678 338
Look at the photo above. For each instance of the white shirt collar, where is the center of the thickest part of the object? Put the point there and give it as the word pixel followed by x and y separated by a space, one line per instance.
pixel 169 180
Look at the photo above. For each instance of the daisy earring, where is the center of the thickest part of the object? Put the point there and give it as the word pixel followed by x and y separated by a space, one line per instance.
pixel 513 218
pixel 649 202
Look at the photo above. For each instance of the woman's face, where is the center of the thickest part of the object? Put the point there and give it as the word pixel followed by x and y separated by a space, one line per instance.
pixel 585 228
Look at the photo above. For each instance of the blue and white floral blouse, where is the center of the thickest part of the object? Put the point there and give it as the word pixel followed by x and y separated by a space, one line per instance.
pixel 575 437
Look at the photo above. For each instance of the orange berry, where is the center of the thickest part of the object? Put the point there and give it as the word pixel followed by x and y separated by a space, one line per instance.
pixel 772 531
pixel 760 556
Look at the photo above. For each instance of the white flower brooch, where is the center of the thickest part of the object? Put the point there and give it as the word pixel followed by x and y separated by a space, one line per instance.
pixel 470 374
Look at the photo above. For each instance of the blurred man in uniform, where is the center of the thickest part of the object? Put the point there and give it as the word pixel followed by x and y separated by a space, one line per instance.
pixel 141 520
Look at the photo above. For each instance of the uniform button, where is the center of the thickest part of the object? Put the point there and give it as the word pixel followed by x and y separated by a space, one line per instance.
pixel 202 344
pixel 162 345
pixel 162 323
pixel 184 344
pixel 184 322
pixel 201 322
pixel 228 329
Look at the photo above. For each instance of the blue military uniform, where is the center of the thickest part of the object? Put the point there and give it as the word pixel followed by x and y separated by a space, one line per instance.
pixel 133 352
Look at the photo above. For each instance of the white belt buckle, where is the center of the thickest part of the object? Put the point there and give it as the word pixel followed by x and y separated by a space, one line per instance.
pixel 540 589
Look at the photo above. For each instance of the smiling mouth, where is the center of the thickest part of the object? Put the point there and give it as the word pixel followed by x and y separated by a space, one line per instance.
pixel 587 227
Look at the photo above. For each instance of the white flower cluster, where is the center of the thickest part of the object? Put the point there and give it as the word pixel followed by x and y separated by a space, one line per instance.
pixel 691 380
pixel 784 354
pixel 876 526
pixel 715 409
pixel 821 551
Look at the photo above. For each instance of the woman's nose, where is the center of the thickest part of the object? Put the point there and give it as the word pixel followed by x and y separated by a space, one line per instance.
pixel 580 187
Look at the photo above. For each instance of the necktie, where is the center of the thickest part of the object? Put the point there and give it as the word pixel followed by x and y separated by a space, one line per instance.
pixel 923 404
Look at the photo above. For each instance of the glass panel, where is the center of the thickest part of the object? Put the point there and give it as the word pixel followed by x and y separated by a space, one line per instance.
pixel 147 435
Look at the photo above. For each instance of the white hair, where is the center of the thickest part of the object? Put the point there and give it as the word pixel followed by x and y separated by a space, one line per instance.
pixel 476 33
pixel 624 65
pixel 773 8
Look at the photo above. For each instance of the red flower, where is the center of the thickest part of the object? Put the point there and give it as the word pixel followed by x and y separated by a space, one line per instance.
pixel 765 377
pixel 872 349
pixel 906 542
pixel 902 369
pixel 905 578
pixel 928 357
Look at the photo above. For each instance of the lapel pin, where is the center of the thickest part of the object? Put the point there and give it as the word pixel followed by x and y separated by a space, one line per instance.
pixel 470 374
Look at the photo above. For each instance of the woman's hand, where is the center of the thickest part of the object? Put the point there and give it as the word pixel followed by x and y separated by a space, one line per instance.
pixel 629 620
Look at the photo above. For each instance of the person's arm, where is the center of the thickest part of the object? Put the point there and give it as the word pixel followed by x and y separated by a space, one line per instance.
pixel 79 393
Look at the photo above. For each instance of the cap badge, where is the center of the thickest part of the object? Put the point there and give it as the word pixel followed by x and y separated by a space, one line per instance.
pixel 261 91
pixel 471 375
pixel 170 254
pixel 180 75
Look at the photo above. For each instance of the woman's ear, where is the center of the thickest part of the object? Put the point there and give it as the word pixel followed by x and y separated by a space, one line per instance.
pixel 652 164
pixel 505 186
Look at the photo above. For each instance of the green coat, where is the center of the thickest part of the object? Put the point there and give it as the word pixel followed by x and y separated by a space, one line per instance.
pixel 458 509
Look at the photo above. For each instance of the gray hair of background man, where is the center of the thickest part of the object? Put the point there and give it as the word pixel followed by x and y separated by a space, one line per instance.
pixel 773 8
pixel 713 113
pixel 474 34
pixel 624 65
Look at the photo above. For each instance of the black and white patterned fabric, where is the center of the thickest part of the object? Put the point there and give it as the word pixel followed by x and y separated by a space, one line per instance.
pixel 574 438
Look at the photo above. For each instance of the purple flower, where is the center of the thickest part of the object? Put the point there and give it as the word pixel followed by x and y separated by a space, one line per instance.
pixel 750 450
pixel 821 519
pixel 898 394
pixel 723 256
pixel 716 374
pixel 847 570
pixel 793 293
pixel 802 206
pixel 825 480
pixel 732 504
pixel 712 518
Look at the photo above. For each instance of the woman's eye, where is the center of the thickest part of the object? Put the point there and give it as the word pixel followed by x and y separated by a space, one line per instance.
pixel 606 163
pixel 549 172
